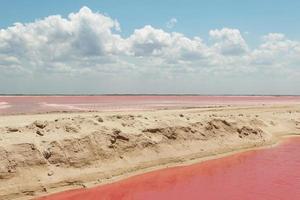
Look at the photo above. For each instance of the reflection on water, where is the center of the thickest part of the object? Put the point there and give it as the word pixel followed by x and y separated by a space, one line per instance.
pixel 270 174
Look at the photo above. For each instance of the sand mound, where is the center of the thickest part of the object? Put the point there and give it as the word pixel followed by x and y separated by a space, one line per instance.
pixel 71 149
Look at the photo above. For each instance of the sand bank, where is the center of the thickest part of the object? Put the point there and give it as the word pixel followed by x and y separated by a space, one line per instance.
pixel 264 174
pixel 45 153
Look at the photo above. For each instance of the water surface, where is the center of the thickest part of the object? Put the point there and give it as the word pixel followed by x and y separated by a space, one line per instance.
pixel 38 104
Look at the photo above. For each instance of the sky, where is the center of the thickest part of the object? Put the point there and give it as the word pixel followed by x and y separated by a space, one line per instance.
pixel 155 47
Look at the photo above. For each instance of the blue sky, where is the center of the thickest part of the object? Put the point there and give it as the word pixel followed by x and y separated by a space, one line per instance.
pixel 238 44
pixel 195 17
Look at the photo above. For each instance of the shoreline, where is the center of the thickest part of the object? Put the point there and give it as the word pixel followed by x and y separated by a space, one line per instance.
pixel 178 162
pixel 43 104
pixel 129 143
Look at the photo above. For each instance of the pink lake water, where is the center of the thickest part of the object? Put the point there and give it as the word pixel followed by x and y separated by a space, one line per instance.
pixel 37 104
pixel 268 174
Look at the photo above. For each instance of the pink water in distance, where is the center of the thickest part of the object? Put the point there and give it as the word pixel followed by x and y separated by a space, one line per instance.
pixel 269 174
pixel 36 104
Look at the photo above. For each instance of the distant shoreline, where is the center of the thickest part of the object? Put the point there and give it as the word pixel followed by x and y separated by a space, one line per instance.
pixel 213 95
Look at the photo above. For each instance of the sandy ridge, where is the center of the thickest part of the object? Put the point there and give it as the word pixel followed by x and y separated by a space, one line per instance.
pixel 46 153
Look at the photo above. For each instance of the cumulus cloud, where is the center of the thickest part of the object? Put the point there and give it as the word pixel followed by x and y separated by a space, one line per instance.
pixel 90 42
pixel 148 41
pixel 56 41
pixel 229 41
pixel 171 23
pixel 276 51
pixel 274 37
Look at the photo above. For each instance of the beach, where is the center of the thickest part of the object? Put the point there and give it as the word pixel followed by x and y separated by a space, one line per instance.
pixel 58 148
pixel 260 174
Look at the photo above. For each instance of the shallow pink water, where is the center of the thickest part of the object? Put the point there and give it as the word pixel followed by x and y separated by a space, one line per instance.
pixel 33 104
pixel 269 174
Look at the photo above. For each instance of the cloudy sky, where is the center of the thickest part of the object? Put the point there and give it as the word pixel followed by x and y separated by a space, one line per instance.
pixel 143 46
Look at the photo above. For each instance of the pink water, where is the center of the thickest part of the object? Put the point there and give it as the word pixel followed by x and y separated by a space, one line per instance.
pixel 269 174
pixel 35 104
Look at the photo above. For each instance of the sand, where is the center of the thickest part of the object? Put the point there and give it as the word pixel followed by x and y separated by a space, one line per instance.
pixel 264 174
pixel 45 153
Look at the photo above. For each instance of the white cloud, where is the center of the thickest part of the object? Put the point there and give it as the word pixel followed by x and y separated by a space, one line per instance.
pixel 151 42
pixel 276 51
pixel 171 23
pixel 229 41
pixel 56 41
pixel 274 37
pixel 148 41
pixel 90 42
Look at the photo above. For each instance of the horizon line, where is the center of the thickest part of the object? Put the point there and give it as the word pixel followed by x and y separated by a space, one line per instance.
pixel 144 94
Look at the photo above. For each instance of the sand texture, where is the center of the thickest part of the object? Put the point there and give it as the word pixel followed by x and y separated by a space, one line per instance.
pixel 45 153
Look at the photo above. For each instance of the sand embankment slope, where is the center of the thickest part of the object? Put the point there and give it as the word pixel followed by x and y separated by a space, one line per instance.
pixel 45 153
